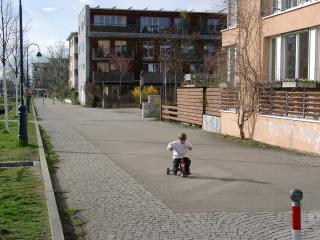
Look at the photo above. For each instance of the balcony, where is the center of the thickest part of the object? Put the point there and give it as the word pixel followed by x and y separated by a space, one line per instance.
pixel 102 54
pixel 113 77
pixel 99 53
pixel 135 30
pixel 271 7
pixel 158 78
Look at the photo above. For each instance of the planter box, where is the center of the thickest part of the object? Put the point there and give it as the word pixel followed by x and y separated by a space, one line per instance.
pixel 289 84
pixel 307 84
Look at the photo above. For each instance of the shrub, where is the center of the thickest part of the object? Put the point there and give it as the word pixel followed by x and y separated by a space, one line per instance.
pixel 149 90
pixel 74 97
pixel 92 97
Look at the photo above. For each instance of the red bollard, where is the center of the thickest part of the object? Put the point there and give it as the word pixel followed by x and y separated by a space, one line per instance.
pixel 296 196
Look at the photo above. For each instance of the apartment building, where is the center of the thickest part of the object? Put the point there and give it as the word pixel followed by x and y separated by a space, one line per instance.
pixel 290 39
pixel 73 60
pixel 116 45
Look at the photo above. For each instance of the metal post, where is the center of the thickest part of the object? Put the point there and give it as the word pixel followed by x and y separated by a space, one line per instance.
pixel 23 133
pixel 296 196
pixel 141 88
pixel 103 96
pixel 28 84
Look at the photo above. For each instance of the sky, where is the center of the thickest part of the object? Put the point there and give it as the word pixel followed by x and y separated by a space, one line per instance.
pixel 54 20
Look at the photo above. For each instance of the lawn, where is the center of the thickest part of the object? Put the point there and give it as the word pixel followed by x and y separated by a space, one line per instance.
pixel 23 212
pixel 10 149
pixel 11 107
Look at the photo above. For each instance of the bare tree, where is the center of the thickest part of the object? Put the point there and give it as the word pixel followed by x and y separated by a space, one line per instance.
pixel 122 64
pixel 7 29
pixel 215 68
pixel 248 63
pixel 57 68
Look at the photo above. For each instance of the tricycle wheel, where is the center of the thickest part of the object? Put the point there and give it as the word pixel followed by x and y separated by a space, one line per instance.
pixel 168 171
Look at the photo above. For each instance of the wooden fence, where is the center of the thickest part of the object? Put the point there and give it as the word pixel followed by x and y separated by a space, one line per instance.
pixel 228 99
pixel 169 112
pixel 190 105
pixel 213 102
pixel 291 104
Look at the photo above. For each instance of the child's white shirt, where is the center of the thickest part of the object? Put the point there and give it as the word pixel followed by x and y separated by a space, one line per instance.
pixel 180 150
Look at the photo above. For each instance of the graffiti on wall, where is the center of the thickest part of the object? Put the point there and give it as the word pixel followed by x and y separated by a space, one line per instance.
pixel 211 124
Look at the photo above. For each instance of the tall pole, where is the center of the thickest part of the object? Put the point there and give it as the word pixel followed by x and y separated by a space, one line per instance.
pixel 28 82
pixel 23 133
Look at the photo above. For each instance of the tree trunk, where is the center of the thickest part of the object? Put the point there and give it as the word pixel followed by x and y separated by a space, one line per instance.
pixel 241 123
pixel 242 135
pixel 6 115
pixel 17 96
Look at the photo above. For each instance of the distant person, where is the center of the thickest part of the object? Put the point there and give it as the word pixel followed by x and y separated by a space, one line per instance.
pixel 180 148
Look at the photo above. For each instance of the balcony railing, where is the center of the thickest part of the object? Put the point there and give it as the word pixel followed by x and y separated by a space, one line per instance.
pixel 270 7
pixel 113 77
pixel 99 53
pixel 155 29
pixel 157 77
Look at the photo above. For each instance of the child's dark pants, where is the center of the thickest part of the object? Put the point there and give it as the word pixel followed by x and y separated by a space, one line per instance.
pixel 176 162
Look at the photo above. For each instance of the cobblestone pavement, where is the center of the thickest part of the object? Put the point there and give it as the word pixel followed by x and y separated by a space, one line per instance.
pixel 115 206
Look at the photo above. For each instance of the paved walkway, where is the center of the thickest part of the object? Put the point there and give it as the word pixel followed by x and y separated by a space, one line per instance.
pixel 112 167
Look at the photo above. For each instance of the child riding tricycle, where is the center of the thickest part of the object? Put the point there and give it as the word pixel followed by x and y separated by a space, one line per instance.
pixel 180 163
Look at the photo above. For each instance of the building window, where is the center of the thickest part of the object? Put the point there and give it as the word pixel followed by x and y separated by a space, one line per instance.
pixel 213 25
pixel 289 4
pixel 151 67
pixel 291 53
pixel 290 56
pixel 154 24
pixel 103 48
pixel 164 49
pixel 273 58
pixel 178 26
pixel 208 49
pixel 193 68
pixel 148 50
pixel 110 20
pixel 120 47
pixel 303 55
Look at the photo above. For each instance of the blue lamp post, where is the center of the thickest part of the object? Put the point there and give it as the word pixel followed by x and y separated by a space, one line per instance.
pixel 28 79
pixel 23 133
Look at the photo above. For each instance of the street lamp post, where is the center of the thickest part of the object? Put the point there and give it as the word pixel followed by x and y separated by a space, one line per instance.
pixel 28 79
pixel 23 133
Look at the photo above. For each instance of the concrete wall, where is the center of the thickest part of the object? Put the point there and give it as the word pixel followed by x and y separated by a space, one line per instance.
pixel 299 134
pixel 83 45
pixel 211 123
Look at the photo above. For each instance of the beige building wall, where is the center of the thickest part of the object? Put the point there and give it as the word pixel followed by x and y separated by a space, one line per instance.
pixel 302 17
pixel 292 20
pixel 299 134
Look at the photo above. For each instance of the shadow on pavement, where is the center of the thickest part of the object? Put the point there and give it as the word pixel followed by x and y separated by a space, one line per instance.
pixel 227 179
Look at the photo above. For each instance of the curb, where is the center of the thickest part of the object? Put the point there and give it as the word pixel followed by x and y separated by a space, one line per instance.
pixel 54 218
pixel 16 164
